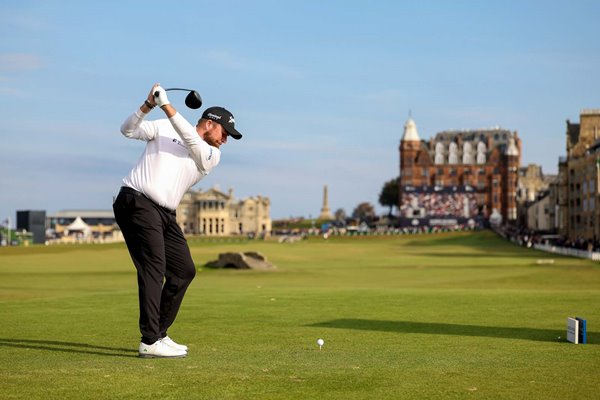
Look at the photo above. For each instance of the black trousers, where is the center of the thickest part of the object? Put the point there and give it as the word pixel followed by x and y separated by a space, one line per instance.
pixel 161 256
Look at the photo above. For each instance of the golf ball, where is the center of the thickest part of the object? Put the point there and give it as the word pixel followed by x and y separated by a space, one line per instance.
pixel 320 342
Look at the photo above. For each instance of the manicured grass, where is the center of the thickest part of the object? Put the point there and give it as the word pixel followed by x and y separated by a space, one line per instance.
pixel 444 316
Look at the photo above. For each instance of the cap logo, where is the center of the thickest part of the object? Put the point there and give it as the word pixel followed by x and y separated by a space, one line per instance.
pixel 231 120
pixel 213 116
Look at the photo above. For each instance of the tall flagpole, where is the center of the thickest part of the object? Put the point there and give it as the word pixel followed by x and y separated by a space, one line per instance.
pixel 7 231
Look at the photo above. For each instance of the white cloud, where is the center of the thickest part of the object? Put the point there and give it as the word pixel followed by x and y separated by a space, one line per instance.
pixel 12 91
pixel 16 62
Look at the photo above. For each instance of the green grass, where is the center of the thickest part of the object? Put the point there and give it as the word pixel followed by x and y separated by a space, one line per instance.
pixel 460 315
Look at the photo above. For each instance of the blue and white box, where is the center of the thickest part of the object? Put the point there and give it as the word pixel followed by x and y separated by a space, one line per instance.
pixel 582 331
pixel 572 330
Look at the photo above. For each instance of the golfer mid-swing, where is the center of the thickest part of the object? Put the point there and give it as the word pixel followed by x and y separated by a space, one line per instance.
pixel 176 157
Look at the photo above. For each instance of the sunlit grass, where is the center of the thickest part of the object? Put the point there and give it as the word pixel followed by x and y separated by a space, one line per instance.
pixel 428 316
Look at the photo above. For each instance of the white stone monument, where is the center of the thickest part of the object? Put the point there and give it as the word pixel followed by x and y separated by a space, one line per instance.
pixel 325 211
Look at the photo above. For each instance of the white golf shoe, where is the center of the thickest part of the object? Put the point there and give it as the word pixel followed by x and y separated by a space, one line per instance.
pixel 159 350
pixel 169 342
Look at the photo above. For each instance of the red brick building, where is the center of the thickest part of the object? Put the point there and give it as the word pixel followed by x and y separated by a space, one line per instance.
pixel 458 177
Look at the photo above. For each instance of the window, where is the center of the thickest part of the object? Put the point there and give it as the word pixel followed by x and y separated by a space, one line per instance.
pixel 467 153
pixel 467 158
pixel 453 157
pixel 480 158
pixel 439 153
pixel 481 149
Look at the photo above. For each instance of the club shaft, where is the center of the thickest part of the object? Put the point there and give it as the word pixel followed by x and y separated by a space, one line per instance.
pixel 186 90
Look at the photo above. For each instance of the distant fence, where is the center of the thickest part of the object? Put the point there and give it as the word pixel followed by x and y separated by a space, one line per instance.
pixel 566 251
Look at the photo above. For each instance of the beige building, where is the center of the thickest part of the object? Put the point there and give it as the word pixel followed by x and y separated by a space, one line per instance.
pixel 582 177
pixel 214 213
pixel 532 184
pixel 98 223
pixel 562 198
pixel 540 214
pixel 83 226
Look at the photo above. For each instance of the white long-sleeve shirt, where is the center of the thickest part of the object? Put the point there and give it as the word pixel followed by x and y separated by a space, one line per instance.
pixel 174 160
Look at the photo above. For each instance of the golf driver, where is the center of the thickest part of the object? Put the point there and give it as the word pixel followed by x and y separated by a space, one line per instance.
pixel 192 100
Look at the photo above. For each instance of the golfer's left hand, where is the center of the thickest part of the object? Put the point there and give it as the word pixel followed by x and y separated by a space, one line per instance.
pixel 160 96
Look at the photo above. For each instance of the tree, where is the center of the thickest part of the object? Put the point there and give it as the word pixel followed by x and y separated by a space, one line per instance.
pixel 364 212
pixel 389 194
pixel 340 215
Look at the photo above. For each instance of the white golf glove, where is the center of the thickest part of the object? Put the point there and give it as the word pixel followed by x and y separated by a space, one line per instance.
pixel 160 97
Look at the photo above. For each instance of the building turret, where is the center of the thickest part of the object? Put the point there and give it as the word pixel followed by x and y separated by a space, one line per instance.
pixel 410 131
pixel 511 149
pixel 410 144
pixel 511 178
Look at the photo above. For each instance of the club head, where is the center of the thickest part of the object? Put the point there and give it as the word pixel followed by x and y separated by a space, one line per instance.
pixel 193 100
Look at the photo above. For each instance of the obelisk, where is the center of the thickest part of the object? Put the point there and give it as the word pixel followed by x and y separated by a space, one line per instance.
pixel 325 211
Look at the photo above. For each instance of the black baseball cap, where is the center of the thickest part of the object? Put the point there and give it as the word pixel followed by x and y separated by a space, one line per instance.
pixel 223 117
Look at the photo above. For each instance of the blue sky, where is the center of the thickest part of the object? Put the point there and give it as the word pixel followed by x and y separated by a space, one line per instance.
pixel 320 89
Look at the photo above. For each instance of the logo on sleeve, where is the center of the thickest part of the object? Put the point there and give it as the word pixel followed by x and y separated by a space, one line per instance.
pixel 179 142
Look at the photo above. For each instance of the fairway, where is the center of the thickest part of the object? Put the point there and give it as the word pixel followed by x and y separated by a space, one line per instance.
pixel 456 315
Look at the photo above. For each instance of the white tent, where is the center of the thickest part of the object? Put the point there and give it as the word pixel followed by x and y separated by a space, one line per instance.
pixel 78 226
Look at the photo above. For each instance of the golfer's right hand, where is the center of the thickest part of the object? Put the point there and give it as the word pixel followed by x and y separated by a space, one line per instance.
pixel 160 96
